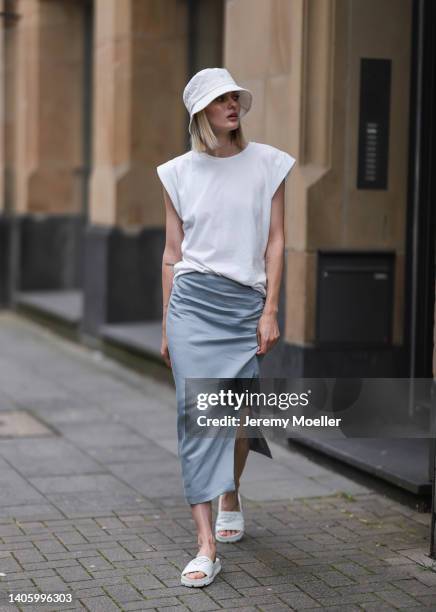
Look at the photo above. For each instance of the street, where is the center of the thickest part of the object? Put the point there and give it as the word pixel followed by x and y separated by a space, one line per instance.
pixel 91 503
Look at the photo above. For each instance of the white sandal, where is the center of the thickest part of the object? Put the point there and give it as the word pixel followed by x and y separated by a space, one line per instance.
pixel 229 520
pixel 201 563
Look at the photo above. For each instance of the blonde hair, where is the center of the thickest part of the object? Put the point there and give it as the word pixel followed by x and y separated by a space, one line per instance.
pixel 203 138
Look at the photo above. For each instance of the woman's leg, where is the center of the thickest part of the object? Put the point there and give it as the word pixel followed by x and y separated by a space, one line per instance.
pixel 202 515
pixel 229 500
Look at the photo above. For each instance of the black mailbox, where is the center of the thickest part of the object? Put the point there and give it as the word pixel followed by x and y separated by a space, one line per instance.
pixel 355 298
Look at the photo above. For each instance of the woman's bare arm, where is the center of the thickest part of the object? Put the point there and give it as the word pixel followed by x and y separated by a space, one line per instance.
pixel 268 330
pixel 171 255
pixel 275 251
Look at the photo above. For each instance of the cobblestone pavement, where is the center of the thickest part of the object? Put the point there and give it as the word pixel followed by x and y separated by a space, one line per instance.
pixel 91 504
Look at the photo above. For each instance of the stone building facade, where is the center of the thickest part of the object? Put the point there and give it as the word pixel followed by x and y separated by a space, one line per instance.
pixel 91 103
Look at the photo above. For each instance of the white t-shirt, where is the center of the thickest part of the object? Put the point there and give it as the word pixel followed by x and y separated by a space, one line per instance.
pixel 225 206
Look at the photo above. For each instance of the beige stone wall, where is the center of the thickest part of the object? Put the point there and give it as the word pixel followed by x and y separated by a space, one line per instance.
pixel 301 59
pixel 264 53
pixel 139 121
pixel 24 160
pixel 49 107
pixel 8 37
pixel 338 214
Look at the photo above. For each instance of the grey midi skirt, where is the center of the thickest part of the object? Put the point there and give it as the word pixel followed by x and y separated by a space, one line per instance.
pixel 211 329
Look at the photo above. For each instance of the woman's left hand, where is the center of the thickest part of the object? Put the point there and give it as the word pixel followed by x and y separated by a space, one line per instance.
pixel 267 333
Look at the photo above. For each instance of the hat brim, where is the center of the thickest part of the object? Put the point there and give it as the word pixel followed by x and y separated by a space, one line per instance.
pixel 245 99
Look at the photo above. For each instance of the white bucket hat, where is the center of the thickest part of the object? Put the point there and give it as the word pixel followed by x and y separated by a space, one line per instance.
pixel 207 85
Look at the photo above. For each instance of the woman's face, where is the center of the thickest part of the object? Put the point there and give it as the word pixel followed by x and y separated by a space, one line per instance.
pixel 223 112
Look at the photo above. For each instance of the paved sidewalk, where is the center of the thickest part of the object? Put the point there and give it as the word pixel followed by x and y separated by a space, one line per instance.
pixel 91 504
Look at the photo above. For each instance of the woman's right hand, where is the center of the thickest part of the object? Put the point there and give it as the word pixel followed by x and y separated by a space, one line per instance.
pixel 164 350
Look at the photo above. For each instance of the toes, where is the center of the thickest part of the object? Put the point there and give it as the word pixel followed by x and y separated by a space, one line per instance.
pixel 196 575
pixel 228 532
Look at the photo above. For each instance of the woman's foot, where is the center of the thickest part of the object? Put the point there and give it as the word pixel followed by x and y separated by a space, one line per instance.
pixel 229 502
pixel 208 549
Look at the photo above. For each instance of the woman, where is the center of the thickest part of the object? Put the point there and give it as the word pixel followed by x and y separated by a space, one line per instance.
pixel 221 273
